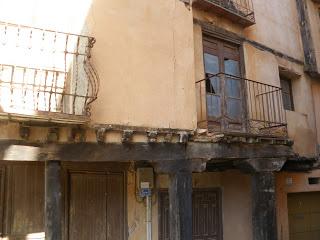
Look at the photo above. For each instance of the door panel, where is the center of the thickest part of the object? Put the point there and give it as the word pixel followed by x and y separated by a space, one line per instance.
pixel 96 205
pixel 2 172
pixel 213 86
pixel 304 216
pixel 88 206
pixel 115 206
pixel 24 200
pixel 206 209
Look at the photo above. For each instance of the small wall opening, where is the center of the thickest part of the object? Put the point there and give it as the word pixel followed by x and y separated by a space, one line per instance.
pixel 314 180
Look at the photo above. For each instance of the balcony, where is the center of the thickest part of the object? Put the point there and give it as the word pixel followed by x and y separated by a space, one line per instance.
pixel 46 75
pixel 239 106
pixel 238 11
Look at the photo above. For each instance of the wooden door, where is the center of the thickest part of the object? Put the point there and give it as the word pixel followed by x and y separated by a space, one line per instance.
pixel 95 204
pixel 304 216
pixel 24 200
pixel 206 215
pixel 2 174
pixel 224 91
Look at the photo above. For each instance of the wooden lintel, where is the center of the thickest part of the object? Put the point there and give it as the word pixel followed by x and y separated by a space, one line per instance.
pixel 152 152
pixel 218 151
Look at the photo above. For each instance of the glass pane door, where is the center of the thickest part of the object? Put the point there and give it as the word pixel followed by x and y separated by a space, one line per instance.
pixel 213 86
pixel 233 90
pixel 224 90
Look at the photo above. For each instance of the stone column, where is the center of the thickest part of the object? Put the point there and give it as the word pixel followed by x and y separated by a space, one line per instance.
pixel 264 206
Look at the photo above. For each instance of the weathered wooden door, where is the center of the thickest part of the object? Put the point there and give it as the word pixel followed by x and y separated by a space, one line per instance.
pixel 206 215
pixel 224 91
pixel 94 201
pixel 24 201
pixel 1 199
pixel 95 204
pixel 304 216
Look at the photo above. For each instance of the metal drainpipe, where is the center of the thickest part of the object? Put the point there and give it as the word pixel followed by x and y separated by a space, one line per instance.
pixel 149 216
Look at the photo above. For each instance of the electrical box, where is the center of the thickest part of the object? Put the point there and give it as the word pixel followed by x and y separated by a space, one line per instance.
pixel 145 181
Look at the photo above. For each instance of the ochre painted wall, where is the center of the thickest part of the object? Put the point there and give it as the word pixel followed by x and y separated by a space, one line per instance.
pixel 144 56
pixel 314 17
pixel 316 97
pixel 236 204
pixel 148 56
pixel 264 67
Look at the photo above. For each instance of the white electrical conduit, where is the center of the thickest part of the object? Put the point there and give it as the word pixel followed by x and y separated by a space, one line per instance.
pixel 149 217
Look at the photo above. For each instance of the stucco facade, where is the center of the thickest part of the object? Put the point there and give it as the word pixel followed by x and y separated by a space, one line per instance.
pixel 149 60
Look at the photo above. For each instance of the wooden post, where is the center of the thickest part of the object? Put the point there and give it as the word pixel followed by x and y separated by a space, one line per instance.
pixel 180 199
pixel 264 206
pixel 53 200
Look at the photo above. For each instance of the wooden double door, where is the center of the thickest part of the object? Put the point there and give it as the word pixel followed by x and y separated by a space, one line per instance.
pixel 225 101
pixel 93 197
pixel 206 215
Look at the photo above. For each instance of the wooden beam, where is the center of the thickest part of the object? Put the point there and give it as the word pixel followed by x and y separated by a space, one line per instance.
pixel 180 199
pixel 311 65
pixel 233 151
pixel 264 206
pixel 92 152
pixel 152 152
pixel 53 203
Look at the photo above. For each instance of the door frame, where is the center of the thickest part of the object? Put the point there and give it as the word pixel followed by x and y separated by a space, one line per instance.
pixel 223 36
pixel 97 167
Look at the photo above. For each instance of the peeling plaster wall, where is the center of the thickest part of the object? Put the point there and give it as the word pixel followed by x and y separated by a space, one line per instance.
pixel 263 67
pixel 316 97
pixel 277 26
pixel 278 30
pixel 236 204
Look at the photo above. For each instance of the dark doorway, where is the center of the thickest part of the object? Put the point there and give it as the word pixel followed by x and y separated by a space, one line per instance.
pixel 207 215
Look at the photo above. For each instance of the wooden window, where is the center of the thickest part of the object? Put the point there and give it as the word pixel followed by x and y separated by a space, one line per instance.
pixel 287 96
pixel 224 91
pixel 206 214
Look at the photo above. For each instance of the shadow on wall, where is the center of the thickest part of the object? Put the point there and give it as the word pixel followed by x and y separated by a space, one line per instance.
pixel 303 136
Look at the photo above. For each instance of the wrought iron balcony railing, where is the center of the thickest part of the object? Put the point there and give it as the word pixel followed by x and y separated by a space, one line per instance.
pixel 46 73
pixel 230 104
pixel 239 11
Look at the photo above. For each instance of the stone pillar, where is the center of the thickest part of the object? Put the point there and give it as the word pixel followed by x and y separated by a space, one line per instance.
pixel 180 199
pixel 264 206
pixel 53 211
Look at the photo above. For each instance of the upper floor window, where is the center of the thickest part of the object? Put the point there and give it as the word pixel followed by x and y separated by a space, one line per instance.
pixel 229 103
pixel 287 95
pixel 224 91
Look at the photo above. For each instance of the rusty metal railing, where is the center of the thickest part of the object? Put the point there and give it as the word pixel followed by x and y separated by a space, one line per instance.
pixel 45 71
pixel 242 8
pixel 260 107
